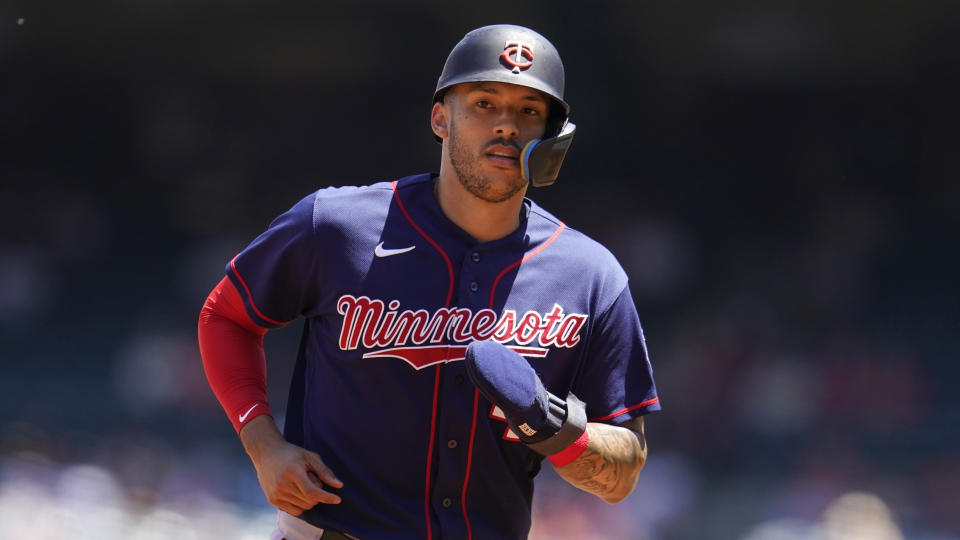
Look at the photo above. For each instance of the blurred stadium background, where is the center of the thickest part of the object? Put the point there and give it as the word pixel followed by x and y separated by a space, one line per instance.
pixel 779 178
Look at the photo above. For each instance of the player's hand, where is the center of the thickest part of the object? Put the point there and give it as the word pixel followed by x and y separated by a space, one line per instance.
pixel 292 478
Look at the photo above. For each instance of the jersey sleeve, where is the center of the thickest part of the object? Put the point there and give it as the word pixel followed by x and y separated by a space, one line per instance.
pixel 276 274
pixel 617 380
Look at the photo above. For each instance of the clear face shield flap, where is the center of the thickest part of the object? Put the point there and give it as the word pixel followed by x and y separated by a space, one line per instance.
pixel 541 159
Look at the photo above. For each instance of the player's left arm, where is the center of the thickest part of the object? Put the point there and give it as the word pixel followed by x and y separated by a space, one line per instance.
pixel 611 463
pixel 599 458
pixel 618 379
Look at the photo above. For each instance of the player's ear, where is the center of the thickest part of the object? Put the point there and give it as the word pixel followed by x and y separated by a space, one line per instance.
pixel 439 120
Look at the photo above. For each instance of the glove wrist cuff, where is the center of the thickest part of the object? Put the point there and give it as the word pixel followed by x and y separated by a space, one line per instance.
pixel 569 454
pixel 573 428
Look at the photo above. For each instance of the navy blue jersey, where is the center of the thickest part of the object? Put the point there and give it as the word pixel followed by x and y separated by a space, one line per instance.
pixel 392 292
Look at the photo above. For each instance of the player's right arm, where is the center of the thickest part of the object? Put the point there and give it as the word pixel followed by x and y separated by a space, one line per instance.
pixel 231 345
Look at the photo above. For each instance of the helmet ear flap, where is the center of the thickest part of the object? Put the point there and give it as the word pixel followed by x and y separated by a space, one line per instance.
pixel 541 159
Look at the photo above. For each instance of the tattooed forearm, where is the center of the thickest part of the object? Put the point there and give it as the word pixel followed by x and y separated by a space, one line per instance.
pixel 611 463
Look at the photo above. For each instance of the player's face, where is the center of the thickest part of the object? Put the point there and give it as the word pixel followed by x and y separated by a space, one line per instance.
pixel 489 125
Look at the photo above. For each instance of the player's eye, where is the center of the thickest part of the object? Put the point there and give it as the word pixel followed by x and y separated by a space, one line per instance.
pixel 484 104
pixel 530 111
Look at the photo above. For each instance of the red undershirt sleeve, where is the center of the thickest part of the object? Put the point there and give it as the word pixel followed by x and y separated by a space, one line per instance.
pixel 231 346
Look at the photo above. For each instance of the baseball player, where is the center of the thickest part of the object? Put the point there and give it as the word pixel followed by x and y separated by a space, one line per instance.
pixel 456 334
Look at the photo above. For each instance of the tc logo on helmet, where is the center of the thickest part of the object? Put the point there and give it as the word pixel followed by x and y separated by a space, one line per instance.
pixel 522 56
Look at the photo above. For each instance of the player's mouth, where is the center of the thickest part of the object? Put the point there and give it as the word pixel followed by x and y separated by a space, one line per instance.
pixel 503 156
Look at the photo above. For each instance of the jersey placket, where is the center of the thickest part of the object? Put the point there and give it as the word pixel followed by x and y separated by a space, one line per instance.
pixel 458 408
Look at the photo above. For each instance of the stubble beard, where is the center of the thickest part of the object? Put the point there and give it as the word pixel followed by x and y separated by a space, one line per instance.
pixel 480 185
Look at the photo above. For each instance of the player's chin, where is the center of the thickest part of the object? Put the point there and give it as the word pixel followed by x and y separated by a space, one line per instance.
pixel 502 191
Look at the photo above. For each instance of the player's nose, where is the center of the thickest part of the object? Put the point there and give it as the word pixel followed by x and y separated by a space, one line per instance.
pixel 507 126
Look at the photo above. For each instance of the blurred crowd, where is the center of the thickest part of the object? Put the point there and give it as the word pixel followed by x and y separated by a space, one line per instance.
pixel 779 182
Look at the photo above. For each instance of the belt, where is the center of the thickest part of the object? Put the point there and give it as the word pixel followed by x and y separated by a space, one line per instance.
pixel 293 527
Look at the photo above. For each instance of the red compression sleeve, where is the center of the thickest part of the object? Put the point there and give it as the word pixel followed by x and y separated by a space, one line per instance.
pixel 231 346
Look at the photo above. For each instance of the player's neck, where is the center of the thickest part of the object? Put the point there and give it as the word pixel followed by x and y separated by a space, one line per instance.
pixel 484 221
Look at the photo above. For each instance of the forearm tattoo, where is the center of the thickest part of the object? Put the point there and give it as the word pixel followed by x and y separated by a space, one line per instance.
pixel 611 463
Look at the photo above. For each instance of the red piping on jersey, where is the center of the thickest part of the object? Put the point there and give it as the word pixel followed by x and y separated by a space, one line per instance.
pixel 466 477
pixel 396 195
pixel 628 409
pixel 436 382
pixel 528 256
pixel 250 295
pixel 433 425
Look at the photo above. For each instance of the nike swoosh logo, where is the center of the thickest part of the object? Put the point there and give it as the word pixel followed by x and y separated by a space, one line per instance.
pixel 381 251
pixel 244 415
